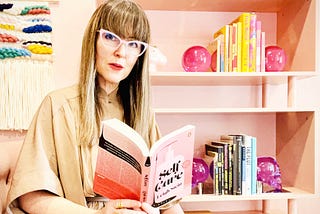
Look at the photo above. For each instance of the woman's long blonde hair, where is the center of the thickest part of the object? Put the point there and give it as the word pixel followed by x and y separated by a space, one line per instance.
pixel 124 18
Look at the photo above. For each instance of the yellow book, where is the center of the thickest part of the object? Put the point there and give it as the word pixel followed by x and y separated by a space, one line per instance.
pixel 253 43
pixel 225 46
pixel 244 18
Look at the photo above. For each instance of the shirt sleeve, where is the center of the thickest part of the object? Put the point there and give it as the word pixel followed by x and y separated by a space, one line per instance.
pixel 36 167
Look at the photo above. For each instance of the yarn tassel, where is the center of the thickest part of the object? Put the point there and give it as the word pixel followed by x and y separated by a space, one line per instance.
pixel 24 83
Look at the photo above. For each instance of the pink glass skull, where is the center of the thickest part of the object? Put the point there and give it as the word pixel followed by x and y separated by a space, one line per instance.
pixel 200 171
pixel 268 172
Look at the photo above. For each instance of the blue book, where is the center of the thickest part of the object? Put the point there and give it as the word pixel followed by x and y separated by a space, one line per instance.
pixel 254 165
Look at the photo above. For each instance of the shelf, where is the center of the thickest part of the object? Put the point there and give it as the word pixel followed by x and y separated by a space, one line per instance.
pixel 293 194
pixel 228 110
pixel 216 5
pixel 232 78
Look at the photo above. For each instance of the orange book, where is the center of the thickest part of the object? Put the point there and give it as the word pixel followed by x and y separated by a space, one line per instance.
pixel 244 18
pixel 127 169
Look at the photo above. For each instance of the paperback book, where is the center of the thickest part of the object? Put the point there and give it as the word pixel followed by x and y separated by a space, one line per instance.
pixel 127 169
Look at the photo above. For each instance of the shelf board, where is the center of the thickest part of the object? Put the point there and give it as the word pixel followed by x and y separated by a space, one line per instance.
pixel 293 193
pixel 228 110
pixel 228 78
pixel 216 5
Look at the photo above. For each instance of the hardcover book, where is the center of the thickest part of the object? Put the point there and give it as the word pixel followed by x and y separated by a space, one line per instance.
pixel 127 169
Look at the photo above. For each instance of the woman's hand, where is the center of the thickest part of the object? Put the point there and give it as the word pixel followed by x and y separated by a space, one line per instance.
pixel 149 209
pixel 128 206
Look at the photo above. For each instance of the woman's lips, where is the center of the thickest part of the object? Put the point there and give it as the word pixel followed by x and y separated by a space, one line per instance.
pixel 116 66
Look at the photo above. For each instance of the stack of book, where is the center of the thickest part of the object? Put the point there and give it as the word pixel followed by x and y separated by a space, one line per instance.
pixel 239 46
pixel 234 159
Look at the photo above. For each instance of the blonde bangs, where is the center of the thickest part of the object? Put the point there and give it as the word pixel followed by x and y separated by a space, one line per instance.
pixel 126 20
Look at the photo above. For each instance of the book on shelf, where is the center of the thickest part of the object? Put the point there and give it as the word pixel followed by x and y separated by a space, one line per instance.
pixel 253 42
pixel 237 148
pixel 227 155
pixel 214 49
pixel 127 169
pixel 258 50
pixel 216 152
pixel 254 165
pixel 224 31
pixel 263 51
pixel 238 41
pixel 244 18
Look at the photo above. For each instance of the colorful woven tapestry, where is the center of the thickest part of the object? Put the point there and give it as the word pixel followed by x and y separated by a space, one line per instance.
pixel 26 56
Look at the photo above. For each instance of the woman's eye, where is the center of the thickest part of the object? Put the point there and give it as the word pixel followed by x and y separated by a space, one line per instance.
pixel 133 44
pixel 109 36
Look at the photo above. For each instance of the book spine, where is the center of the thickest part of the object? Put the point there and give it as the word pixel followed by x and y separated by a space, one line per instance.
pixel 145 187
pixel 254 166
pixel 238 164
pixel 225 152
pixel 239 46
pixel 225 46
pixel 263 51
pixel 221 171
pixel 230 170
pixel 258 54
pixel 233 48
pixel 248 165
pixel 253 42
pixel 245 20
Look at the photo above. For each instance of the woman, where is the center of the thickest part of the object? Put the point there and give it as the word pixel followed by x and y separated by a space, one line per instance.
pixel 54 173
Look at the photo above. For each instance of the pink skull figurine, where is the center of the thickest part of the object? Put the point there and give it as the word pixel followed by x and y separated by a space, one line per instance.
pixel 268 172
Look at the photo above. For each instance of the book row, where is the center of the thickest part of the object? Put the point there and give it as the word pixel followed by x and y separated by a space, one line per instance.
pixel 239 46
pixel 233 165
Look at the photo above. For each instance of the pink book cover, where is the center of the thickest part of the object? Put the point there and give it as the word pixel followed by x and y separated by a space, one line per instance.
pixel 258 53
pixel 263 51
pixel 127 169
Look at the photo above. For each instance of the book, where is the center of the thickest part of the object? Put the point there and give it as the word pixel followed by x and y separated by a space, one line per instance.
pixel 214 48
pixel 226 164
pixel 263 48
pixel 253 42
pixel 258 54
pixel 224 45
pixel 244 18
pixel 127 169
pixel 217 151
pixel 254 165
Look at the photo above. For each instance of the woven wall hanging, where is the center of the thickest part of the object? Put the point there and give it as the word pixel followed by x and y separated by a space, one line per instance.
pixel 26 57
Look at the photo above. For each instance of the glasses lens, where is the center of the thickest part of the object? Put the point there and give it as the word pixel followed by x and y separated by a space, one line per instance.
pixel 135 48
pixel 110 39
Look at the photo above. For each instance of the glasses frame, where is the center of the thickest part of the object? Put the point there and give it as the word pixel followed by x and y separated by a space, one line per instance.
pixel 122 41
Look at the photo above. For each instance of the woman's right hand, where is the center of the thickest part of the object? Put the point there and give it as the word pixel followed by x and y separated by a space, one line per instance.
pixel 122 206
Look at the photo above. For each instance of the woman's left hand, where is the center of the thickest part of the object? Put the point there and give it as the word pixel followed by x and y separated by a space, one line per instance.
pixel 149 209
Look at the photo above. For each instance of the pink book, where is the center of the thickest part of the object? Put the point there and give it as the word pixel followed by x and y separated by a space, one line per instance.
pixel 253 43
pixel 263 51
pixel 127 169
pixel 258 53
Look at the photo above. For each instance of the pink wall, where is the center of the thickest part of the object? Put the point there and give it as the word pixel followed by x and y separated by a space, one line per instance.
pixel 69 20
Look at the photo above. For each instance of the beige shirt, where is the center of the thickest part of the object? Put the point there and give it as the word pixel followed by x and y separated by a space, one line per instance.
pixel 51 158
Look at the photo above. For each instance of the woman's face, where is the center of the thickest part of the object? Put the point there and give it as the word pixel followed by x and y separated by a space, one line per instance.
pixel 113 63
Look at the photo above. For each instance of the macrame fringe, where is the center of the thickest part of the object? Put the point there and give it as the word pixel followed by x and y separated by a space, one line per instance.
pixel 23 85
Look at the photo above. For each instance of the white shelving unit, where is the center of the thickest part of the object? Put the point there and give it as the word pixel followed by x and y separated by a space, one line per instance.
pixel 288 132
